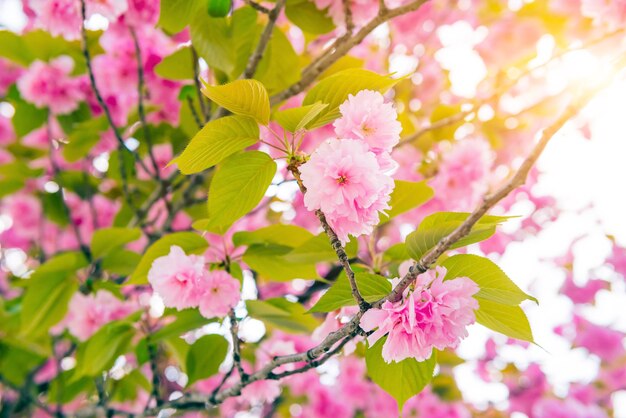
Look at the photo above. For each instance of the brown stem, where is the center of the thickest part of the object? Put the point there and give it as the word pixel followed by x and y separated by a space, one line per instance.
pixel 254 60
pixel 335 243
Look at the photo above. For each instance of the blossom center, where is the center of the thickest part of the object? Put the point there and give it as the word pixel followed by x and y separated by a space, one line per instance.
pixel 368 130
pixel 342 179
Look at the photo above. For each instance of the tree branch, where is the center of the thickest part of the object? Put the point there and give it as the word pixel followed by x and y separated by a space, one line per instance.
pixel 518 179
pixel 334 242
pixel 341 47
pixel 196 81
pixel 257 6
pixel 140 107
pixel 254 60
pixel 234 332
pixel 94 87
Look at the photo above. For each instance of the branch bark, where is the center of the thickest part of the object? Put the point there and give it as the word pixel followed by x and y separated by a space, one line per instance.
pixel 335 243
pixel 340 48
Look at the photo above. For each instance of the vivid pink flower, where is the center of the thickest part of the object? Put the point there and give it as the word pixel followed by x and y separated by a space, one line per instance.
pixel 343 180
pixel 568 408
pixel 435 315
pixel 59 17
pixel 585 293
pixel 428 404
pixel 9 73
pixel 526 389
pixel 87 313
pixel 141 12
pixel 110 9
pixel 602 341
pixel 7 135
pixel 463 175
pixel 220 292
pixel 50 85
pixel 178 278
pixel 367 117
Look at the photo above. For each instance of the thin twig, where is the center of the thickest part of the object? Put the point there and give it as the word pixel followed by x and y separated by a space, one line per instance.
pixel 140 107
pixel 257 6
pixel 254 60
pixel 335 243
pixel 234 332
pixel 56 171
pixel 196 81
pixel 94 87
pixel 340 48
pixel 348 16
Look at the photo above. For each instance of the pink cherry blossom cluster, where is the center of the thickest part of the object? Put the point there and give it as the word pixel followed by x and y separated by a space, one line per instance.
pixel 50 85
pixel 63 17
pixel 87 313
pixel 348 179
pixel 434 315
pixel 183 282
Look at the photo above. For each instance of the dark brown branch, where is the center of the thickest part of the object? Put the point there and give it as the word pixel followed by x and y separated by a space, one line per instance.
pixel 196 81
pixel 140 107
pixel 256 6
pixel 340 48
pixel 56 171
pixel 94 87
pixel 234 332
pixel 348 16
pixel 518 179
pixel 254 60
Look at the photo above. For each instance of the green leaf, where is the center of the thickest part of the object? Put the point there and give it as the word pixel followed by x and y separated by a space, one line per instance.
pixel 317 249
pixel 226 43
pixel 308 17
pixel 401 380
pixel 54 207
pixel 397 252
pixel 505 319
pixel 494 284
pixel 217 140
pixel 438 225
pixel 335 89
pixel 107 239
pixel 205 356
pixel 120 261
pixel 83 137
pixel 45 302
pixel 407 195
pixel 190 242
pixel 269 261
pixel 65 389
pixel 177 66
pixel 67 263
pixel 27 117
pixel 288 235
pixel 128 387
pixel 280 66
pixel 99 352
pixel 16 362
pixel 237 187
pixel 242 97
pixel 298 118
pixel 176 14
pixel 186 320
pixel 371 286
pixel 282 314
